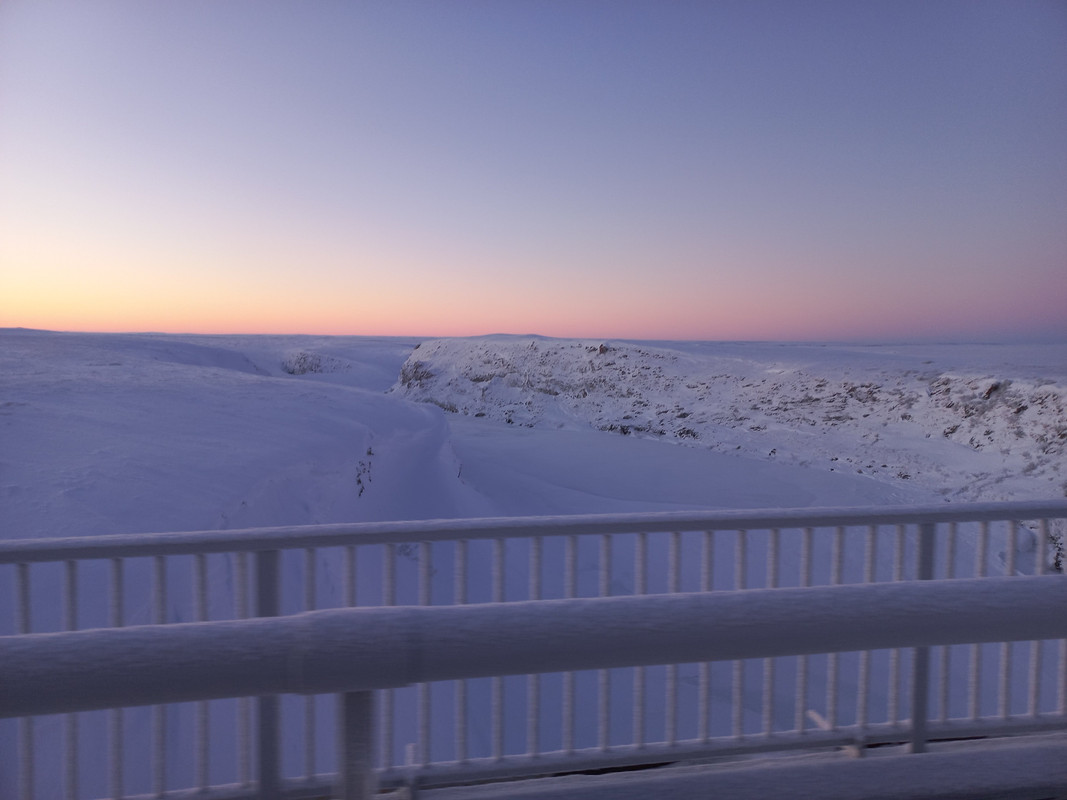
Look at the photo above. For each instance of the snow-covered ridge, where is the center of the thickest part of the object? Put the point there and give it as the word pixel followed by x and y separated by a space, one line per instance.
pixel 969 428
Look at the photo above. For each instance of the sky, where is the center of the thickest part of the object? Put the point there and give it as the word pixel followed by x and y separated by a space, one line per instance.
pixel 671 170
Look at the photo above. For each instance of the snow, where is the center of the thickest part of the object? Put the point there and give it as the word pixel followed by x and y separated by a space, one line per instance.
pixel 110 433
pixel 114 434
pixel 1004 769
pixel 961 422
pixel 121 433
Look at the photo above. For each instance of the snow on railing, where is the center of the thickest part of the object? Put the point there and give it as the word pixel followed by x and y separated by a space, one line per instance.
pixel 185 596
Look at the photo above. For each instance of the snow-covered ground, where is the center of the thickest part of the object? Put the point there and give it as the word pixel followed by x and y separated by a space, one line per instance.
pixel 105 433
pixel 964 422
pixel 109 433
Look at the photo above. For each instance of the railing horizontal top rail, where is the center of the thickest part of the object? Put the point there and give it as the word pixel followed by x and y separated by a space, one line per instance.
pixel 334 535
pixel 371 648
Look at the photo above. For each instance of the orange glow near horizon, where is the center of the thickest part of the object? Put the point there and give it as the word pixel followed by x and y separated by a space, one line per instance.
pixel 397 295
pixel 617 171
pixel 379 308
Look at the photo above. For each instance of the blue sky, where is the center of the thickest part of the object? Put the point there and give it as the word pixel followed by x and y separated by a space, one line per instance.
pixel 755 170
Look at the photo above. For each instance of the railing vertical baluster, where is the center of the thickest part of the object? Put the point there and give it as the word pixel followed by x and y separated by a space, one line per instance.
pixel 570 567
pixel 1041 565
pixel 22 597
pixel 604 709
pixel 740 582
pixel 898 554
pixel 424 708
pixel 70 623
pixel 310 579
pixel 356 746
pixel 975 677
pixel 707 563
pixel 351 563
pixel 244 705
pixel 893 695
pixel 946 661
pixel 1006 647
pixel 603 676
pixel 26 749
pixel 460 598
pixel 203 747
pixel 1004 697
pixel 837 558
pixel 497 687
pixel 310 604
pixel 462 558
pixel 707 582
pixel 670 723
pixel 640 587
pixel 356 714
pixel 951 542
pixel 536 548
pixel 570 590
pixel 159 590
pixel 1010 557
pixel 389 576
pixel 1035 678
pixel 388 599
pixel 920 682
pixel 981 567
pixel 1063 678
pixel 800 709
pixel 641 564
pixel 605 565
pixel 533 682
pixel 773 553
pixel 674 585
pixel 116 718
pixel 499 567
pixel 425 574
pixel 674 563
pixel 870 552
pixel 740 560
pixel 1037 648
pixel 159 713
pixel 70 596
pixel 267 605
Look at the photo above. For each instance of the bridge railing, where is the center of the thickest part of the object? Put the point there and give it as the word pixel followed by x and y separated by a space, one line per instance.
pixel 535 716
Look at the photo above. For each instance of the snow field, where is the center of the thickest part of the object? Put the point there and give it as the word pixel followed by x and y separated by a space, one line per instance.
pixel 130 433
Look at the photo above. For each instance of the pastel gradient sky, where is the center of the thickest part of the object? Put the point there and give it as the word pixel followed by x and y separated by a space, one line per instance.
pixel 699 170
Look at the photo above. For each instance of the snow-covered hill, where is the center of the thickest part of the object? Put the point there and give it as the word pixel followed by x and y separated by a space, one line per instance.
pixel 968 422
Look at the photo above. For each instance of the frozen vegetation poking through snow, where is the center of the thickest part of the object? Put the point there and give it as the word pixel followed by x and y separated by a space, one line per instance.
pixel 968 422
pixel 304 362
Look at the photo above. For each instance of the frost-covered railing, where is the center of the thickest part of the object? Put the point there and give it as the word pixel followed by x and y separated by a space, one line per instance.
pixel 475 713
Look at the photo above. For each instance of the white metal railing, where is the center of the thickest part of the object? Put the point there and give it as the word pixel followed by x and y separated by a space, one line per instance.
pixel 480 725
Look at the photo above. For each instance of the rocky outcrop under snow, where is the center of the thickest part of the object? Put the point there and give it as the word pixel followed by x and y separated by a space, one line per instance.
pixel 960 422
